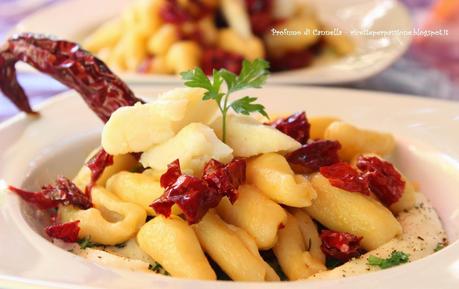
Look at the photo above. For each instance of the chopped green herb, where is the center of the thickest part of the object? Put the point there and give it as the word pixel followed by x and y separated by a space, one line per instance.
pixel 396 258
pixel 157 268
pixel 86 243
pixel 440 245
pixel 252 75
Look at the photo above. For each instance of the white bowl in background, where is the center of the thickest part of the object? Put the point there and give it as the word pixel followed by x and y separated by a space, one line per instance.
pixel 74 19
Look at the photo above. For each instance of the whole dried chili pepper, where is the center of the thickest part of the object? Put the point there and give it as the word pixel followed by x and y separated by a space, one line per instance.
pixel 69 64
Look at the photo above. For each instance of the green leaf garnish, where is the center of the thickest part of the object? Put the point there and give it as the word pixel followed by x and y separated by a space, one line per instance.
pixel 440 246
pixel 86 243
pixel 396 258
pixel 157 268
pixel 252 75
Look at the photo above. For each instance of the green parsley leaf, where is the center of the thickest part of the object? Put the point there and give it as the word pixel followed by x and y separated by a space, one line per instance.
pixel 252 75
pixel 396 258
pixel 86 243
pixel 440 245
pixel 157 268
pixel 246 106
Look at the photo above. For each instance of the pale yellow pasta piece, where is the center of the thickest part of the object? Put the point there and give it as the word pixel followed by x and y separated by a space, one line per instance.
pixel 272 175
pixel 208 29
pixel 227 250
pixel 408 199
pixel 250 47
pixel 183 56
pixel 290 250
pixel 354 213
pixel 278 44
pixel 137 188
pixel 251 245
pixel 110 222
pixel 256 214
pixel 148 18
pixel 158 65
pixel 341 44
pixel 134 49
pixel 120 163
pixel 106 36
pixel 237 16
pixel 160 42
pixel 355 141
pixel 173 244
pixel 310 233
pixel 319 124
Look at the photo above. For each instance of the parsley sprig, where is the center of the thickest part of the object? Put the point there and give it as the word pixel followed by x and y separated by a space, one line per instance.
pixel 396 258
pixel 252 75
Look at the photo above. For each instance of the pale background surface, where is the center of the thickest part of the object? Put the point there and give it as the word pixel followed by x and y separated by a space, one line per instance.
pixel 430 68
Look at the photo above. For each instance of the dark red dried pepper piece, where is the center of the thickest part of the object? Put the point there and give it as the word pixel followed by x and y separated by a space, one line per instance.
pixel 340 246
pixel 173 12
pixel 40 199
pixel 67 232
pixel 295 126
pixel 226 179
pixel 69 64
pixel 196 196
pixel 97 165
pixel 384 180
pixel 260 14
pixel 50 196
pixel 171 175
pixel 216 58
pixel 344 176
pixel 312 156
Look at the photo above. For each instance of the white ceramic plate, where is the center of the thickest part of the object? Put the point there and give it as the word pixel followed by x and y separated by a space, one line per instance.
pixel 73 19
pixel 34 151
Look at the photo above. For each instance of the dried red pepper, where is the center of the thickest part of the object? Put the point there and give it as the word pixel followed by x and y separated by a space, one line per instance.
pixel 195 196
pixel 69 64
pixel 97 165
pixel 50 196
pixel 344 176
pixel 67 232
pixel 173 12
pixel 384 180
pixel 260 14
pixel 312 156
pixel 295 126
pixel 340 246
pixel 216 58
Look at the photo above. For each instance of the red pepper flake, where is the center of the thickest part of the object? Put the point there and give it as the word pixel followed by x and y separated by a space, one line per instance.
pixel 171 175
pixel 216 58
pixel 173 12
pixel 312 156
pixel 97 165
pixel 68 232
pixel 384 180
pixel 295 126
pixel 62 192
pixel 340 246
pixel 260 14
pixel 343 176
pixel 225 178
pixel 196 196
